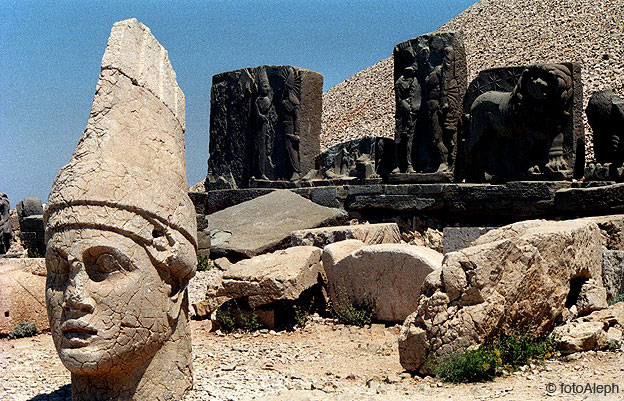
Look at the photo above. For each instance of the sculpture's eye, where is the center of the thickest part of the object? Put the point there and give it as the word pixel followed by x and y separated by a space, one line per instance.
pixel 101 262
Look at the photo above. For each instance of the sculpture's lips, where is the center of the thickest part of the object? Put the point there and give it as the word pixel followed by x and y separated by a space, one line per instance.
pixel 77 333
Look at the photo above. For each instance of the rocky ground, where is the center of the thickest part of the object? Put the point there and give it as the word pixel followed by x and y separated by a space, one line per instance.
pixel 323 361
pixel 496 33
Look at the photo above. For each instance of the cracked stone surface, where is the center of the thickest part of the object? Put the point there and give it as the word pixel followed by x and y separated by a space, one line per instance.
pixel 387 277
pixel 368 233
pixel 121 233
pixel 275 276
pixel 517 275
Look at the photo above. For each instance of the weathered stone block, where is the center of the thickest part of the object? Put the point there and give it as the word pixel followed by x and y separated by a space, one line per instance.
pixel 369 234
pixel 430 79
pixel 265 223
pixel 456 238
pixel 613 273
pixel 387 277
pixel 265 122
pixel 281 275
pixel 22 293
pixel 516 275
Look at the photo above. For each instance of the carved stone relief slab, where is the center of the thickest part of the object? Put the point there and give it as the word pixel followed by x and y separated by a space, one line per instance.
pixel 523 123
pixel 264 125
pixel 430 80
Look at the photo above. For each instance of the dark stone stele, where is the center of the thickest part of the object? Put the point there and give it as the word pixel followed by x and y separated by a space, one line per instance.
pixel 30 216
pixel 6 232
pixel 605 114
pixel 265 125
pixel 430 80
pixel 523 123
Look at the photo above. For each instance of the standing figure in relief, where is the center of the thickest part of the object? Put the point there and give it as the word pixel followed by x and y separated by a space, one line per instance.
pixel 290 104
pixel 408 99
pixel 451 107
pixel 262 109
pixel 432 99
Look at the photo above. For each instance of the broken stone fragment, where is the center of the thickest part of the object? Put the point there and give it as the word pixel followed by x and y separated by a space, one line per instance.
pixel 592 332
pixel 370 234
pixel 281 275
pixel 386 277
pixel 515 276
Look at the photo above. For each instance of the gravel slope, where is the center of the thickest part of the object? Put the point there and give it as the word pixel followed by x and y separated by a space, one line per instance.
pixel 496 33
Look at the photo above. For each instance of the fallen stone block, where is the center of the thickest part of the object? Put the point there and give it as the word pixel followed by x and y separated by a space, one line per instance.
pixel 281 275
pixel 22 293
pixel 456 238
pixel 592 332
pixel 386 277
pixel 369 234
pixel 515 276
pixel 613 273
pixel 264 224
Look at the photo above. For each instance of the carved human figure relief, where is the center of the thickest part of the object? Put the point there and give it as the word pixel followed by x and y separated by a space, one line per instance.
pixel 430 80
pixel 121 233
pixel 263 108
pixel 290 103
pixel 407 91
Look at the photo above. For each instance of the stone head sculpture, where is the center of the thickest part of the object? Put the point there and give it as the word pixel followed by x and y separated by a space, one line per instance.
pixel 121 233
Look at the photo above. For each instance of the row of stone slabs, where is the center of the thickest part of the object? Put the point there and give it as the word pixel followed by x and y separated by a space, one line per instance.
pixel 461 202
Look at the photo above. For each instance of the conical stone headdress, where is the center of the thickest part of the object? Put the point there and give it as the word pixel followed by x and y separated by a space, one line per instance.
pixel 128 171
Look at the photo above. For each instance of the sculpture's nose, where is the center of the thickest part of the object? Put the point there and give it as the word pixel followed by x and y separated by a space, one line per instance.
pixel 75 296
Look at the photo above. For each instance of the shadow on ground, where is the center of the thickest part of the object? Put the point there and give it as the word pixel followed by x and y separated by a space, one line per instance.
pixel 60 394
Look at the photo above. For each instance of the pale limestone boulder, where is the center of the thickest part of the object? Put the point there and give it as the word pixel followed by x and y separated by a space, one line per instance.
pixel 387 277
pixel 613 273
pixel 22 293
pixel 592 332
pixel 281 275
pixel 518 275
pixel 264 224
pixel 370 234
pixel 335 252
pixel 591 298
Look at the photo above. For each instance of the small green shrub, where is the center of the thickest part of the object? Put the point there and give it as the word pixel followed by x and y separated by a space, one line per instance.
pixel 226 320
pixel 469 366
pixel 301 316
pixel 509 350
pixel 352 314
pixel 24 329
pixel 231 318
pixel 614 347
pixel 249 322
pixel 203 263
pixel 619 298
pixel 517 348
pixel 35 253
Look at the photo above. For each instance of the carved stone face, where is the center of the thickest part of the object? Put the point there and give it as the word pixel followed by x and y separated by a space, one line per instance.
pixel 107 304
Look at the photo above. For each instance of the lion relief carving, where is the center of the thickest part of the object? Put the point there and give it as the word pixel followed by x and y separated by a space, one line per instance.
pixel 516 134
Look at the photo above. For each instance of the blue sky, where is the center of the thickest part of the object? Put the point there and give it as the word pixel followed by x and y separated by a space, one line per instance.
pixel 50 55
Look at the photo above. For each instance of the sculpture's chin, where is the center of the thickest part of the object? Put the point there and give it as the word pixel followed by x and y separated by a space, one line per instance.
pixel 86 360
